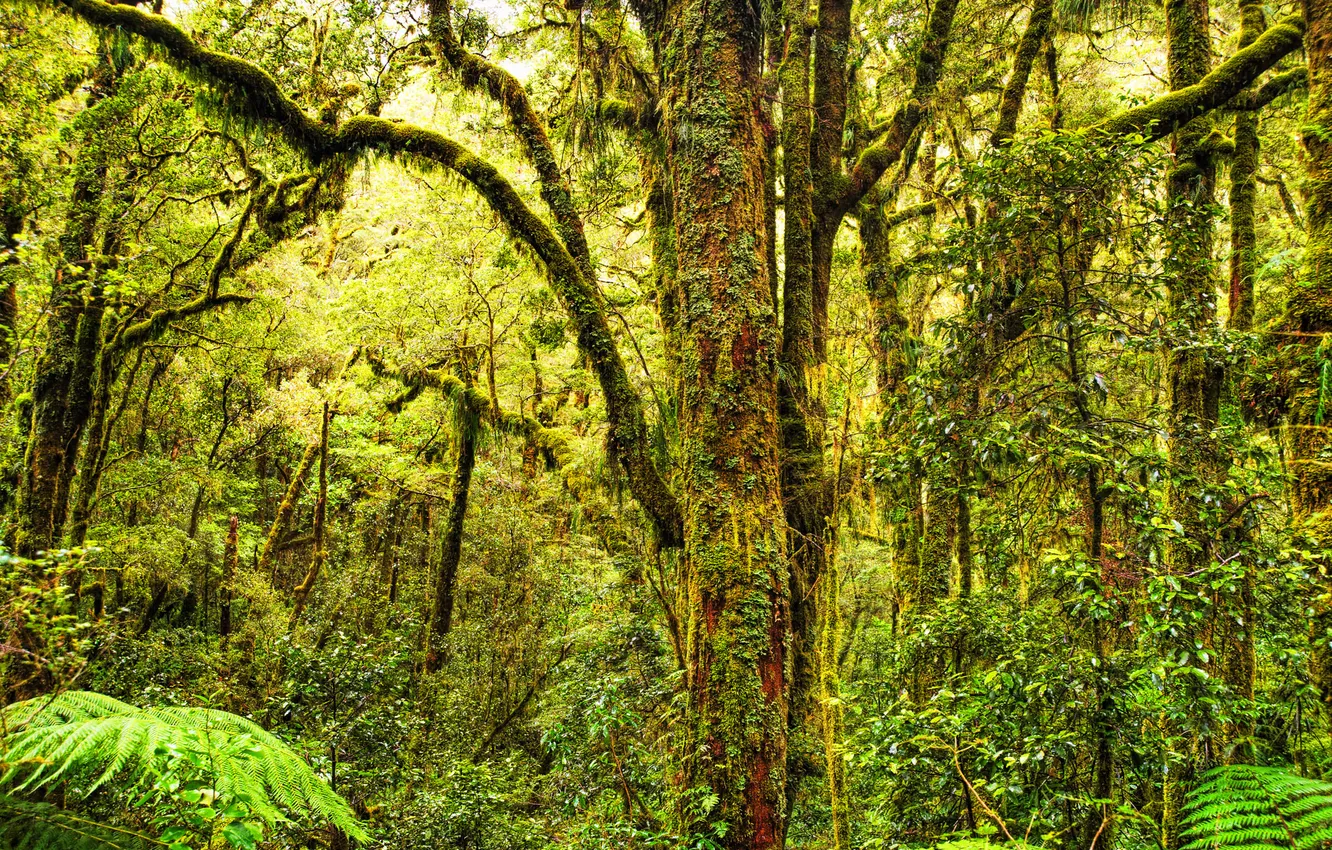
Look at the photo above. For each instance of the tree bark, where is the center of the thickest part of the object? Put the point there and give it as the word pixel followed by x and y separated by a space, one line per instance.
pixel 226 593
pixel 302 591
pixel 1309 319
pixel 446 574
pixel 1194 376
pixel 735 588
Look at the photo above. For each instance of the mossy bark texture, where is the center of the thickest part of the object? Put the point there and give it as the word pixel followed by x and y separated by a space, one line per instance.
pixel 302 591
pixel 1194 374
pixel 446 575
pixel 735 554
pixel 1309 325
pixel 1243 184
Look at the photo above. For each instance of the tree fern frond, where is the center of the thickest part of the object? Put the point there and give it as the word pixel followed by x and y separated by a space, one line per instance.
pixel 26 825
pixel 88 739
pixel 1242 807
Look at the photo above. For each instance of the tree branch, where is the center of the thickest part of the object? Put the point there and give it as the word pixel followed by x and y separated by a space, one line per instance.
pixel 252 93
pixel 1283 83
pixel 879 156
pixel 1159 118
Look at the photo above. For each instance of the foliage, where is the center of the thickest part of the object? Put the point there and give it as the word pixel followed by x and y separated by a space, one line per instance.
pixel 236 775
pixel 1246 806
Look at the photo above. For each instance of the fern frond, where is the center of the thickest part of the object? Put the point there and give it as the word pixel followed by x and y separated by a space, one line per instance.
pixel 86 740
pixel 26 825
pixel 1242 807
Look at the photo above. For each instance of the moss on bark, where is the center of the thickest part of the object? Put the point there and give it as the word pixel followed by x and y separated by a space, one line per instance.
pixel 735 592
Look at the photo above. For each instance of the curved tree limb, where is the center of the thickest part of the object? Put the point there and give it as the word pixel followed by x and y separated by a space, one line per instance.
pixel 254 94
pixel 888 148
pixel 1159 118
pixel 479 74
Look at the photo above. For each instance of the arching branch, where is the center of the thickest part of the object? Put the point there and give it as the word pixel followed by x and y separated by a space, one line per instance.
pixel 888 148
pixel 1159 118
pixel 255 95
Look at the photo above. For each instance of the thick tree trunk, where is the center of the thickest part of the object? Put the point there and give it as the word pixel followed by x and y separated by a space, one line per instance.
pixel 41 518
pixel 735 566
pixel 1309 317
pixel 800 390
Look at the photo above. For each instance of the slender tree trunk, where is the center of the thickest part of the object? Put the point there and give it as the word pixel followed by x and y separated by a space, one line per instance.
pixel 287 508
pixel 1243 189
pixel 1309 317
pixel 302 591
pixel 226 593
pixel 446 574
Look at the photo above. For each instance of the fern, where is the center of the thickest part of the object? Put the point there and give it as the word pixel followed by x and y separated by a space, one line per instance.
pixel 26 825
pixel 1241 807
pixel 84 740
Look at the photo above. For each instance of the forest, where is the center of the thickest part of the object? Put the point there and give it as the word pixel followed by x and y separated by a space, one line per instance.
pixel 646 424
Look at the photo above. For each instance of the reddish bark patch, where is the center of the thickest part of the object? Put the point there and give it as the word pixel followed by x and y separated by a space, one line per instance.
pixel 762 813
pixel 742 350
pixel 707 355
pixel 711 612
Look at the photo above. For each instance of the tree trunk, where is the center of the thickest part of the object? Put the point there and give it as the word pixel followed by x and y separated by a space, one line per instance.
pixel 735 589
pixel 39 526
pixel 287 508
pixel 226 593
pixel 302 591
pixel 1310 319
pixel 1194 378
pixel 446 575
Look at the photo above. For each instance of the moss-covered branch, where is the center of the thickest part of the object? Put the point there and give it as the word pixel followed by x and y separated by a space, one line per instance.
pixel 479 74
pixel 255 95
pixel 1283 83
pixel 1010 106
pixel 1159 118
pixel 885 151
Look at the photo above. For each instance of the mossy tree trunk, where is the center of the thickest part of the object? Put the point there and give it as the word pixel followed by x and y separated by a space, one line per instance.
pixel 1243 185
pixel 287 508
pixel 735 589
pixel 1239 666
pixel 1194 374
pixel 230 564
pixel 1034 39
pixel 450 554
pixel 1309 320
pixel 302 591
pixel 41 519
pixel 800 387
